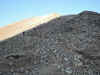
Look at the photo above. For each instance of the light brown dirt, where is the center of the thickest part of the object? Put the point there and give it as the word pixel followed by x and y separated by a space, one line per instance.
pixel 21 26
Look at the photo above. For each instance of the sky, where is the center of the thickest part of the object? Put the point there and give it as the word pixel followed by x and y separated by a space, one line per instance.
pixel 15 10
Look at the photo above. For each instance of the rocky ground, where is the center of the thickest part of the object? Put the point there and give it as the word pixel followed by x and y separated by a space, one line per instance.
pixel 68 45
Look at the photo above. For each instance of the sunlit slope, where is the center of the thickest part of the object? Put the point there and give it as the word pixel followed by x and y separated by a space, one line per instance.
pixel 18 27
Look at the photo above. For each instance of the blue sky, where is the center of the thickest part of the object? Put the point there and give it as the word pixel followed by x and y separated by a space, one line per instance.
pixel 16 10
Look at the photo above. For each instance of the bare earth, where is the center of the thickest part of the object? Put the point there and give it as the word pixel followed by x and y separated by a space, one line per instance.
pixel 21 26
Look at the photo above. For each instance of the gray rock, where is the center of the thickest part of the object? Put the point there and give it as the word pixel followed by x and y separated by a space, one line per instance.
pixel 71 42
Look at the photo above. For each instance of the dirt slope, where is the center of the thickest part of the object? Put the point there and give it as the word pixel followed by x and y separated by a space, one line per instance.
pixel 18 27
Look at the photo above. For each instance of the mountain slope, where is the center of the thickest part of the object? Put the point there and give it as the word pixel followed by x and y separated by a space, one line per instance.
pixel 65 45
pixel 18 27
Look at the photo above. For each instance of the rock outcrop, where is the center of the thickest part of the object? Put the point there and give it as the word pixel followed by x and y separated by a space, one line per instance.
pixel 67 45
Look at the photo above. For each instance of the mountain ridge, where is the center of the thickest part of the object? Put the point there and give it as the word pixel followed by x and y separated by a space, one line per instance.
pixel 21 26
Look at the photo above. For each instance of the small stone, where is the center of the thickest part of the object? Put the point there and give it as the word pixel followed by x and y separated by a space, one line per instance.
pixel 68 70
pixel 58 66
pixel 66 59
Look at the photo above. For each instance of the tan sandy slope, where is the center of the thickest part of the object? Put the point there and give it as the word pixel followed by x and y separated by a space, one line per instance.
pixel 18 27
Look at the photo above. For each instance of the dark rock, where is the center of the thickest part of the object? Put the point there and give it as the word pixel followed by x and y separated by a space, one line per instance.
pixel 65 45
